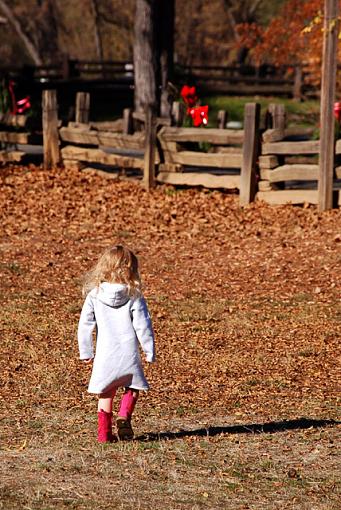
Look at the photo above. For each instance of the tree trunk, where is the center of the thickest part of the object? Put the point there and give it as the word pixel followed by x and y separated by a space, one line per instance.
pixel 145 56
pixel 165 27
pixel 98 38
pixel 14 22
pixel 47 31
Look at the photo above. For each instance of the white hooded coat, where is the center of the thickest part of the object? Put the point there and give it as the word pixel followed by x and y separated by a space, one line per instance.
pixel 122 323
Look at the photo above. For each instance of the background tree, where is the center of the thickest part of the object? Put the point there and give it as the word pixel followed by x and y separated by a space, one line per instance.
pixel 165 41
pixel 294 36
pixel 145 55
pixel 85 29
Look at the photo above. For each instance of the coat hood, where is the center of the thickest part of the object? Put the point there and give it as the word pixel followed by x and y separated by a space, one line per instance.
pixel 111 294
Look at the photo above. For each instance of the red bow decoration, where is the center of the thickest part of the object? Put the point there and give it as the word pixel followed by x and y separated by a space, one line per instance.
pixel 337 111
pixel 199 115
pixel 23 104
pixel 189 95
pixel 18 106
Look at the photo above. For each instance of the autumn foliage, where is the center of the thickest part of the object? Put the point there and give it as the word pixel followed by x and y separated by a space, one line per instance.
pixel 294 36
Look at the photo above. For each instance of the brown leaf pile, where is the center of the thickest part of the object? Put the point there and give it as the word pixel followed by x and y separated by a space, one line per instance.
pixel 245 302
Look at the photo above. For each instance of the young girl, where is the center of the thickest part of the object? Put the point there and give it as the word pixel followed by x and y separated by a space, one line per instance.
pixel 117 308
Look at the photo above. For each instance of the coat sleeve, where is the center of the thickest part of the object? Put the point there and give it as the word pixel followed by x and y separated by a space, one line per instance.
pixel 143 327
pixel 87 322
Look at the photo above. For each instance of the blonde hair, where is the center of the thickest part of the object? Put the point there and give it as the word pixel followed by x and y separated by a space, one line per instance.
pixel 118 264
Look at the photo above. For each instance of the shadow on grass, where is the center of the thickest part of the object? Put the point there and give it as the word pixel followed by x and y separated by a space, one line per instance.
pixel 254 428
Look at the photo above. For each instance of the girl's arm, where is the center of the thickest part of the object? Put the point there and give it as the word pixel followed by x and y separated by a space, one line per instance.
pixel 143 327
pixel 87 322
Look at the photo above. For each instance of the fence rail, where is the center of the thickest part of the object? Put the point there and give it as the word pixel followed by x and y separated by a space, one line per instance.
pixel 289 80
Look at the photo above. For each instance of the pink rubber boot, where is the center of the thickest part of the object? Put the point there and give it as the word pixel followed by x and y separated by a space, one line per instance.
pixel 104 427
pixel 127 406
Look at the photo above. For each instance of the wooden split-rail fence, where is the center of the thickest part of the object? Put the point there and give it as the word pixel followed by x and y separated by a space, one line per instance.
pixel 14 133
pixel 273 164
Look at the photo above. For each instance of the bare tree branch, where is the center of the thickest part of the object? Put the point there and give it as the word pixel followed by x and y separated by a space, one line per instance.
pixel 98 38
pixel 14 22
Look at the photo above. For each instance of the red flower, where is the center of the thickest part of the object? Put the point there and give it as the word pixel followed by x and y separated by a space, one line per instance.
pixel 199 115
pixel 337 111
pixel 189 95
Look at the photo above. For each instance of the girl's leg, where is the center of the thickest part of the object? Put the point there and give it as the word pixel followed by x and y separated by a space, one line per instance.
pixel 127 405
pixel 105 401
pixel 105 417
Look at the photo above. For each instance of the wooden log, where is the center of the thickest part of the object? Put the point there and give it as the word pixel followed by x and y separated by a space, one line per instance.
pixel 70 164
pixel 273 135
pixel 21 138
pixel 150 149
pixel 82 107
pixel 8 119
pixel 160 121
pixel 11 156
pixel 267 161
pixel 168 149
pixel 291 173
pixel 222 119
pixel 128 126
pixel 50 129
pixel 116 126
pixel 81 126
pixel 199 179
pixel 170 167
pixel 227 150
pixel 178 114
pixel 192 158
pixel 301 160
pixel 310 147
pixel 211 135
pixel 338 147
pixel 266 186
pixel 276 135
pixel 98 156
pixel 338 172
pixel 278 116
pixel 250 153
pixel 106 138
pixel 298 131
pixel 281 197
pixel 328 86
pixel 121 140
pixel 79 135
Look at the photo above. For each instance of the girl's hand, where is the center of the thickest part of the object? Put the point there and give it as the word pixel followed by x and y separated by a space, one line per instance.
pixel 87 360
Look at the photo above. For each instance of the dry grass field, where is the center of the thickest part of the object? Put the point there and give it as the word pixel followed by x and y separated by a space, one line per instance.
pixel 244 403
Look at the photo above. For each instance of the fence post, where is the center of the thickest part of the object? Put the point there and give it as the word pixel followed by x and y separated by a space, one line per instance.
pixel 222 119
pixel 82 107
pixel 150 148
pixel 50 129
pixel 128 121
pixel 327 122
pixel 178 114
pixel 250 153
pixel 278 116
pixel 298 81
